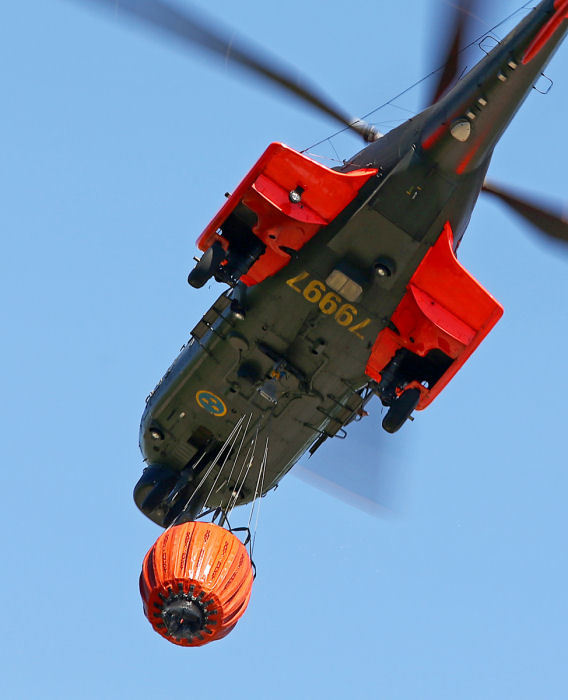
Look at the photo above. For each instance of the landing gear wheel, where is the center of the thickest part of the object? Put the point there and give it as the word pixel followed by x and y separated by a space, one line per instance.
pixel 207 265
pixel 400 410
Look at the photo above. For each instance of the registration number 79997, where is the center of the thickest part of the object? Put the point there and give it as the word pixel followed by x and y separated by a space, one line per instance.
pixel 329 303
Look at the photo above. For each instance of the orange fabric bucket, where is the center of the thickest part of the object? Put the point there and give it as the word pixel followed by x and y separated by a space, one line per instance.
pixel 196 583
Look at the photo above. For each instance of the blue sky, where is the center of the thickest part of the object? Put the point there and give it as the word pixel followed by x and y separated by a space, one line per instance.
pixel 116 150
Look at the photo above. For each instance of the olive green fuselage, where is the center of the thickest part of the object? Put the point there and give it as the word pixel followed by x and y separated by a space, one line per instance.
pixel 294 368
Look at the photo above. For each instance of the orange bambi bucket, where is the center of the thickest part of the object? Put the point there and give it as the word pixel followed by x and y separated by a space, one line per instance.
pixel 195 583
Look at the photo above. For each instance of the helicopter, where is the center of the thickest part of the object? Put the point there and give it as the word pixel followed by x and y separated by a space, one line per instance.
pixel 343 284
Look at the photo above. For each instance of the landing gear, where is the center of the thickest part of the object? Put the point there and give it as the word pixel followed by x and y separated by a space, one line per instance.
pixel 407 368
pixel 228 261
pixel 400 410
pixel 207 266
pixel 225 266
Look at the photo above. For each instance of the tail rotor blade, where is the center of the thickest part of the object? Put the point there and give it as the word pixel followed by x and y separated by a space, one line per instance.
pixel 550 221
pixel 191 29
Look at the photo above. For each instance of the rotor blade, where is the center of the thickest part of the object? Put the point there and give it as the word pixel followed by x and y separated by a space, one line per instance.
pixel 461 20
pixel 375 500
pixel 188 27
pixel 551 221
pixel 373 478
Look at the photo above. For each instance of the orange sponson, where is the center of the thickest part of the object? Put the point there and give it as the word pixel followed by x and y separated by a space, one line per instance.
pixel 282 225
pixel 195 583
pixel 445 309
